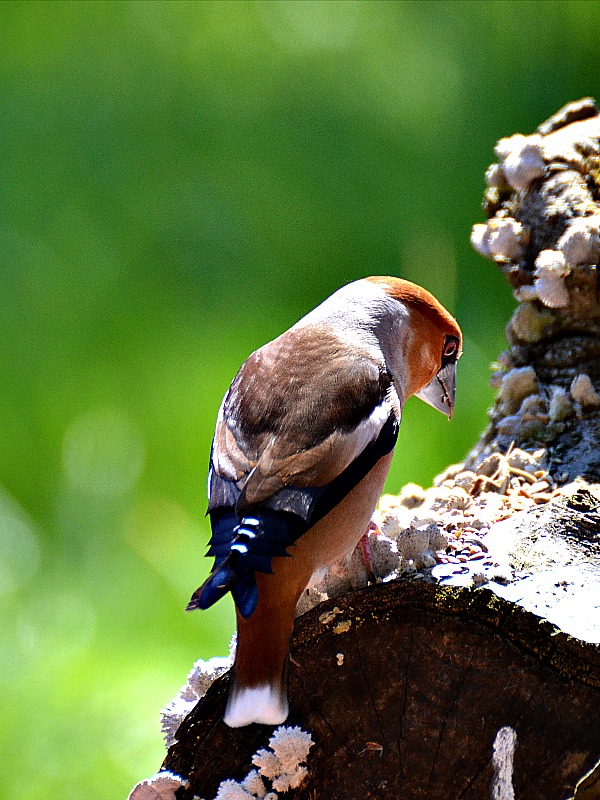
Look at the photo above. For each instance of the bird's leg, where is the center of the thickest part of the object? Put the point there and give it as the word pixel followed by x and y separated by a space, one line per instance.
pixel 365 550
pixel 340 568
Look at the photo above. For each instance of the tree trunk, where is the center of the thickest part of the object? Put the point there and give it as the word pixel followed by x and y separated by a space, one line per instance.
pixel 480 677
pixel 429 677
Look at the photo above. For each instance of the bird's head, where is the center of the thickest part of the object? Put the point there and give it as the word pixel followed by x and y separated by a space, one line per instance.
pixel 421 351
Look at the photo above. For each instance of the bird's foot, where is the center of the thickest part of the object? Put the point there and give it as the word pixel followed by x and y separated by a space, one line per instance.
pixel 365 549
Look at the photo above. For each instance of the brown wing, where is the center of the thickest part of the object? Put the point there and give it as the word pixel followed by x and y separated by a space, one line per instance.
pixel 290 421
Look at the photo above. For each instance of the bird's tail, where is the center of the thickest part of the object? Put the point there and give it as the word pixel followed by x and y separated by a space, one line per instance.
pixel 225 577
pixel 258 688
pixel 265 703
pixel 241 548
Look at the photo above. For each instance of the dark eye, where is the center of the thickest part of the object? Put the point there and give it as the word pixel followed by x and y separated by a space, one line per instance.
pixel 450 348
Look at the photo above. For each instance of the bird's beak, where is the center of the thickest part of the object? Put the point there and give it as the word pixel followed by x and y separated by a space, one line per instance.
pixel 440 392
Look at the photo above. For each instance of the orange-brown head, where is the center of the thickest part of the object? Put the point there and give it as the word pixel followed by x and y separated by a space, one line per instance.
pixel 431 348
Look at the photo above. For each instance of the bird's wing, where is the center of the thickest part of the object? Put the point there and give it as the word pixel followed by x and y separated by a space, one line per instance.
pixel 305 420
pixel 299 412
pixel 245 544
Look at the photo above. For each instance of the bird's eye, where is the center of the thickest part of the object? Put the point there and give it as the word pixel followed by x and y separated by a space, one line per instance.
pixel 450 348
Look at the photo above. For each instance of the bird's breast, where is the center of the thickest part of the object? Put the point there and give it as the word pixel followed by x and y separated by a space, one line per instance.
pixel 337 534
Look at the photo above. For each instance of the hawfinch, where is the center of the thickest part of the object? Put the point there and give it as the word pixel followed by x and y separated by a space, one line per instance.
pixel 301 451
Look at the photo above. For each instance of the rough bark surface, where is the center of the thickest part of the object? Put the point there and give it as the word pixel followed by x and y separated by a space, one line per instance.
pixel 428 678
pixel 490 689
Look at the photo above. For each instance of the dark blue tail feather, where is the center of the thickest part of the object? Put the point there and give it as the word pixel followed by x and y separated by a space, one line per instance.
pixel 214 588
pixel 242 547
pixel 245 595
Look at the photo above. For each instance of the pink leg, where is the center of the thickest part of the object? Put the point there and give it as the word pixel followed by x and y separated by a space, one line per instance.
pixel 365 550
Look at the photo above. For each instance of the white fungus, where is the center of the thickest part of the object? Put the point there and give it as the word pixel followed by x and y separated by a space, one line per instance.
pixel 200 677
pixel 254 784
pixel 502 761
pixel 533 405
pixel 494 176
pixel 528 323
pixel 479 239
pixel 510 426
pixel 411 496
pixel 516 385
pixel 580 243
pixel 203 673
pixel 525 460
pixel 490 465
pixel 526 293
pixel 466 480
pixel 583 392
pixel 232 790
pixel 550 271
pixel 560 406
pixel 522 159
pixel 501 239
pixel 505 239
pixel 549 286
pixel 418 546
pixel 384 554
pixel 283 764
pixel 161 786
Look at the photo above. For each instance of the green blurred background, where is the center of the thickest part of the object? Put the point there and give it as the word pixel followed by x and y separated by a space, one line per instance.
pixel 180 182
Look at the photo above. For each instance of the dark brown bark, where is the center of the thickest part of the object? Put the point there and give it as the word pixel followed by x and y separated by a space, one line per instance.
pixel 431 675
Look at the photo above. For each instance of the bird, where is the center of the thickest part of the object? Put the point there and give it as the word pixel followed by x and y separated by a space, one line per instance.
pixel 302 446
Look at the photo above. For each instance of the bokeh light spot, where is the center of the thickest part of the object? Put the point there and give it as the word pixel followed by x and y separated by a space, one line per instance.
pixel 162 532
pixel 312 24
pixel 55 627
pixel 19 548
pixel 103 453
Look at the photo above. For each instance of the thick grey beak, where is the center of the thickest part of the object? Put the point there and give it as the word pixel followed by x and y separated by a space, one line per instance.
pixel 440 392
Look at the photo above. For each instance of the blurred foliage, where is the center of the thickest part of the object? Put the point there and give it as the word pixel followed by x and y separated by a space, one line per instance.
pixel 180 182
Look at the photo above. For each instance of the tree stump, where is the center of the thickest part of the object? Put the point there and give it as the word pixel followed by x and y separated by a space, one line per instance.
pixel 429 676
pixel 418 688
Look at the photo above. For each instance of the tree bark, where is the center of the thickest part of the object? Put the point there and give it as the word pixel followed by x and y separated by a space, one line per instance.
pixel 429 677
pixel 490 689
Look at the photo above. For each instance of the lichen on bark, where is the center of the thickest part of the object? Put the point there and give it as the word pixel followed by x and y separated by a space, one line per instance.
pixel 543 231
